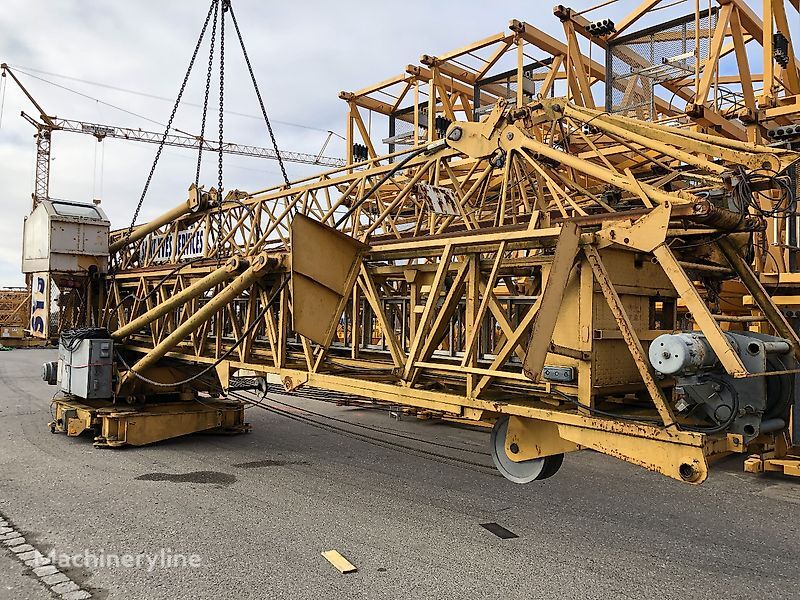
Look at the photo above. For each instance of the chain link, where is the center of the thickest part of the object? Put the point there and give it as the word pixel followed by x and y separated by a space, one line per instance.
pixel 258 95
pixel 169 122
pixel 205 98
pixel 115 265
pixel 217 20
pixel 225 8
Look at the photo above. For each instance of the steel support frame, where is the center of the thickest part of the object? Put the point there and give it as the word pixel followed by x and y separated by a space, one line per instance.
pixel 453 267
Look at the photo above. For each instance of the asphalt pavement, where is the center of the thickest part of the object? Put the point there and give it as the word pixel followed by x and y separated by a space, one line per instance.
pixel 402 500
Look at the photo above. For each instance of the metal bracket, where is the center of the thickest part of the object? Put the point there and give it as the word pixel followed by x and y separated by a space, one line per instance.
pixel 644 234
pixel 528 439
pixel 476 140
pixel 683 462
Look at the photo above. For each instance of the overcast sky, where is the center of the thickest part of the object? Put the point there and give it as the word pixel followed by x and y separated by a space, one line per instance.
pixel 303 54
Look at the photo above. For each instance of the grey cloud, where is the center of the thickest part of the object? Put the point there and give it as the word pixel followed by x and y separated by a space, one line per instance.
pixel 303 53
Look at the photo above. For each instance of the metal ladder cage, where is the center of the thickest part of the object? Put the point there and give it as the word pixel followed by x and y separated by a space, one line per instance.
pixel 668 50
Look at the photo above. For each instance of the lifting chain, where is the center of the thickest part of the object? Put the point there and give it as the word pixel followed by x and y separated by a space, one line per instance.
pixel 205 98
pixel 225 8
pixel 171 118
pixel 114 266
pixel 217 20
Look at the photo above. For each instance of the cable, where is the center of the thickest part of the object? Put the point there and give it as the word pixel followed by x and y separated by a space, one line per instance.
pixel 365 438
pixel 742 197
pixel 87 96
pixel 94 172
pixel 721 426
pixel 383 180
pixel 171 118
pixel 221 120
pixel 102 168
pixel 21 69
pixel 154 290
pixel 211 8
pixel 715 429
pixel 784 204
pixel 376 429
pixel 205 99
pixel 4 85
pixel 779 409
pixel 72 338
pixel 592 410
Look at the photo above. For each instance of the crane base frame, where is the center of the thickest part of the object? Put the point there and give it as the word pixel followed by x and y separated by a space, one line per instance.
pixel 116 426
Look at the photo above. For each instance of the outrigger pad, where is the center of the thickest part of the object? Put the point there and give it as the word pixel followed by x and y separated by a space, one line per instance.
pixel 325 265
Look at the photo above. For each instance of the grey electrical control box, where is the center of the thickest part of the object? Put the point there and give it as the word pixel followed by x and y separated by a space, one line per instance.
pixel 85 368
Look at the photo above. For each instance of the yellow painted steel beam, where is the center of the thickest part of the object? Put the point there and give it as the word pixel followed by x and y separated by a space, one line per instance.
pixel 256 270
pixel 629 335
pixel 651 142
pixel 760 295
pixel 516 139
pixel 180 299
pixel 545 322
pixel 700 311
pixel 194 203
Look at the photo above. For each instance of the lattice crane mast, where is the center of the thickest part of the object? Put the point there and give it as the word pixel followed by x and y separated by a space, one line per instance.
pixel 46 125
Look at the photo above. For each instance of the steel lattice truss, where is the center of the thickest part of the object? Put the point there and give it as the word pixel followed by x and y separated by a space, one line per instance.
pixel 14 307
pixel 449 300
pixel 542 233
pixel 194 143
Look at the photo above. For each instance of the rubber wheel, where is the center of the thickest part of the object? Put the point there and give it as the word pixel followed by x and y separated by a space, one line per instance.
pixel 520 472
